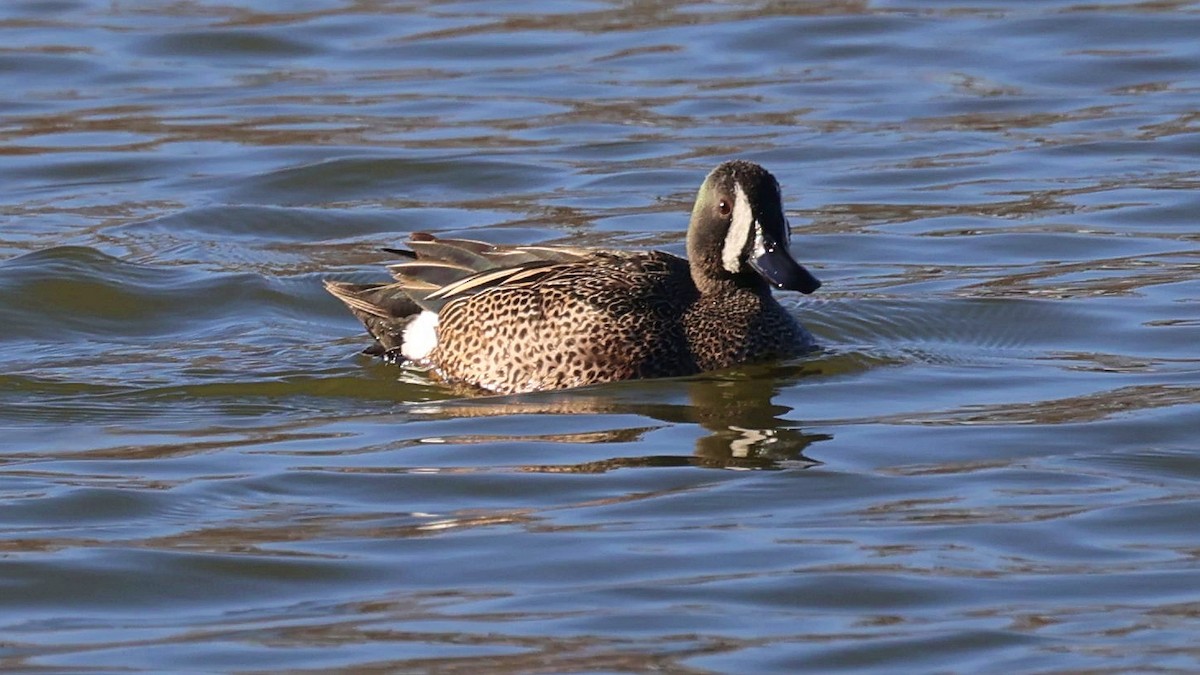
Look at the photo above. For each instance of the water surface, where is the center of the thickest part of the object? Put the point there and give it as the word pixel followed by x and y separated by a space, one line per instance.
pixel 992 466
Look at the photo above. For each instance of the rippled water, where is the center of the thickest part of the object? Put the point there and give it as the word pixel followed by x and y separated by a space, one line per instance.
pixel 993 466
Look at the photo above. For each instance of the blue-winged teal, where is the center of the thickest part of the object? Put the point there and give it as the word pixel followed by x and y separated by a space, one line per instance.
pixel 529 318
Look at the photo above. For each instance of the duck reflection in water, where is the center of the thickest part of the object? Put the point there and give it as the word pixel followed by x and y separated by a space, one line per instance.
pixel 745 428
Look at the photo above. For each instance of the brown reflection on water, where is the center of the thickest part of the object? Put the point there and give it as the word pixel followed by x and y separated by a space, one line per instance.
pixel 638 15
pixel 400 624
pixel 1125 275
pixel 865 218
pixel 950 511
pixel 1070 410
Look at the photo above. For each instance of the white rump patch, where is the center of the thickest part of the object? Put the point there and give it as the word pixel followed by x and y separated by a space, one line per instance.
pixel 420 336
pixel 739 231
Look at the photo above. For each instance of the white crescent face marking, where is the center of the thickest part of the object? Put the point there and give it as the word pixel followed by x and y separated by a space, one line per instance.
pixel 740 230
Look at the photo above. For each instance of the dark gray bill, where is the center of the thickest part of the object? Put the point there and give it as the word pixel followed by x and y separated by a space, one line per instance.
pixel 772 260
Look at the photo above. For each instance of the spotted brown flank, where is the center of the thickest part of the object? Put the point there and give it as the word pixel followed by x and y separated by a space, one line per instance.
pixel 528 318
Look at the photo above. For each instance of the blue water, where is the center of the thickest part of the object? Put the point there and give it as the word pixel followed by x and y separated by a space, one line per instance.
pixel 992 466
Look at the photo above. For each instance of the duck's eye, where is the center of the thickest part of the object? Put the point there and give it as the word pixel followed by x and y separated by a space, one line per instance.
pixel 724 208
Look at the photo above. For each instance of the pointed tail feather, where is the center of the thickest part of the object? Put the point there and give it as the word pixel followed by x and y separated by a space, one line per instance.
pixel 384 310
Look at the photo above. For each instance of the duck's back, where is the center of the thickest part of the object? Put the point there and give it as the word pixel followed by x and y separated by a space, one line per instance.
pixel 611 316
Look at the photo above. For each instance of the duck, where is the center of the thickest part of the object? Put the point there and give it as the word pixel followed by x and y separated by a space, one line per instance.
pixel 515 319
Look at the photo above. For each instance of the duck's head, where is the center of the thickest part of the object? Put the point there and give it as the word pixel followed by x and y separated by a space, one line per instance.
pixel 738 231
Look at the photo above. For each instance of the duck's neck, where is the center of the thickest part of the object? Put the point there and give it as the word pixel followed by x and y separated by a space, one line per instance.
pixel 711 278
